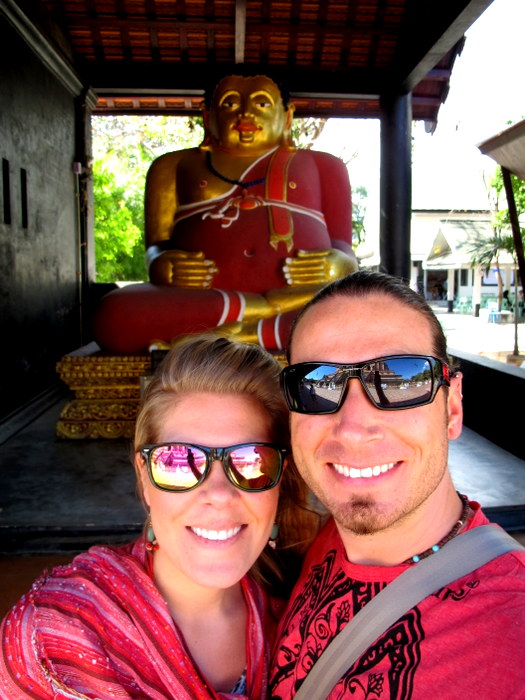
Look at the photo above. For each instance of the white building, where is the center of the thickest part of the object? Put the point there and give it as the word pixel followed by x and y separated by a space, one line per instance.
pixel 441 259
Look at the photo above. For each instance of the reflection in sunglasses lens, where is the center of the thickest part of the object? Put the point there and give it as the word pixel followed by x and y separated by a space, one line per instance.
pixel 254 466
pixel 320 389
pixel 401 382
pixel 177 466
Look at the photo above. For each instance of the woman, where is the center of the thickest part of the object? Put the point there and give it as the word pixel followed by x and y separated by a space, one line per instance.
pixel 176 614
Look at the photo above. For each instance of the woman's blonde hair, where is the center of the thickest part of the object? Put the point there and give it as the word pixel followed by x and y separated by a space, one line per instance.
pixel 206 363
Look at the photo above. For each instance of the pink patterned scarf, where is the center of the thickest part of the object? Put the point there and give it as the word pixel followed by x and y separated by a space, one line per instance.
pixel 99 628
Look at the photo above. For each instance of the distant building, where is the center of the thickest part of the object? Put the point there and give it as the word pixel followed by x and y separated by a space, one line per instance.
pixel 441 264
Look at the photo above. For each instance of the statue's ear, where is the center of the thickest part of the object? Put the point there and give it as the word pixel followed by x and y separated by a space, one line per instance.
pixel 205 114
pixel 289 116
pixel 287 140
pixel 206 123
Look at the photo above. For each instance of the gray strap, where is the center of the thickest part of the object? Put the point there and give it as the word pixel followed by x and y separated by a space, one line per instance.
pixel 460 556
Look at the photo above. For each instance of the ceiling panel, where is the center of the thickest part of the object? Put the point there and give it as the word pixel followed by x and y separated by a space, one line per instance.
pixel 336 57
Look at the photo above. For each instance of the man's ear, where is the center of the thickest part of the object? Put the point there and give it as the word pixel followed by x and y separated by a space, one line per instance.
pixel 455 406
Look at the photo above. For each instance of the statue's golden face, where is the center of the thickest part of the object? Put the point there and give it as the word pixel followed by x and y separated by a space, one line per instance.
pixel 247 114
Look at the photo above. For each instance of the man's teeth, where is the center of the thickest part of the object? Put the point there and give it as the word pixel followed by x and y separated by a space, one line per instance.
pixel 365 473
pixel 216 534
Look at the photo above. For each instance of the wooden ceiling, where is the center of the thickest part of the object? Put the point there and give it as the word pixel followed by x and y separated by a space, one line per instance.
pixel 337 57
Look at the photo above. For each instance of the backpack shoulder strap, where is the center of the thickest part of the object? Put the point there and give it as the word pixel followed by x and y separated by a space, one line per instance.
pixel 460 556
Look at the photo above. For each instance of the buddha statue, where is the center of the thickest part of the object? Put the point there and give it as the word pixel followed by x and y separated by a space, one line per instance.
pixel 240 232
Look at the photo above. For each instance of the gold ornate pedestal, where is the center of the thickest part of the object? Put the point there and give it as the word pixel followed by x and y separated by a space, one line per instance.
pixel 107 394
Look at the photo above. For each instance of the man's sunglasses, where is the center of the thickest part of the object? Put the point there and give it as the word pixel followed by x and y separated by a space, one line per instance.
pixel 392 383
pixel 181 466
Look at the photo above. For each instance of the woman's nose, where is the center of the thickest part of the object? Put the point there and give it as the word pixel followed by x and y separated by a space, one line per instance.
pixel 216 486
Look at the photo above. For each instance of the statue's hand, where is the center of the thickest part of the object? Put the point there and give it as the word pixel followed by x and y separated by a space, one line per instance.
pixel 317 267
pixel 183 269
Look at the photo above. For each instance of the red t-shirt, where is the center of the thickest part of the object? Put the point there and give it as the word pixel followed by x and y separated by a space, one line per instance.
pixel 467 640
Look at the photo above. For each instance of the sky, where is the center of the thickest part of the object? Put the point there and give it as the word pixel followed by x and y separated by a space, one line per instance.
pixel 487 90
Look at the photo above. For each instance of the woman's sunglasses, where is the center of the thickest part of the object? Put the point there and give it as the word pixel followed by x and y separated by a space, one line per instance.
pixel 181 466
pixel 392 383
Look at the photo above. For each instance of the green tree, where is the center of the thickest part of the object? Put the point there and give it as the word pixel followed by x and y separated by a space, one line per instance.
pixel 497 192
pixel 123 149
pixel 486 251
pixel 359 195
pixel 119 242
pixel 307 130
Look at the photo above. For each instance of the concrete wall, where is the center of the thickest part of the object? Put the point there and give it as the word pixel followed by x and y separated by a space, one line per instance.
pixel 493 395
pixel 39 313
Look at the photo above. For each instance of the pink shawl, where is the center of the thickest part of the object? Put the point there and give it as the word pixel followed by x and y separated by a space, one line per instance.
pixel 99 628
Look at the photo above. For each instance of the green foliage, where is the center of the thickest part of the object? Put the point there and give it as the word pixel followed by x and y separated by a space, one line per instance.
pixel 306 131
pixel 485 251
pixel 501 218
pixel 124 148
pixel 359 195
pixel 119 250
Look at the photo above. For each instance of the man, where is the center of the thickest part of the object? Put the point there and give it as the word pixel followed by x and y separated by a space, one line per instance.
pixel 374 403
pixel 242 230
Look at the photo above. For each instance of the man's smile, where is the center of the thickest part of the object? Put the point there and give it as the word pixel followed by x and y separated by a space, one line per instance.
pixel 365 473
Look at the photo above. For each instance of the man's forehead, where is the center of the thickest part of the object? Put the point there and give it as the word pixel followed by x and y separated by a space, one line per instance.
pixel 376 324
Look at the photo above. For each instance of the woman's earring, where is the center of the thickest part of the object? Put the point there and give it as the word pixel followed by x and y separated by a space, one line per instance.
pixel 151 543
pixel 273 536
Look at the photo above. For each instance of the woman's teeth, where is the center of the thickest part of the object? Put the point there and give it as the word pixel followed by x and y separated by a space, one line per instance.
pixel 216 534
pixel 365 473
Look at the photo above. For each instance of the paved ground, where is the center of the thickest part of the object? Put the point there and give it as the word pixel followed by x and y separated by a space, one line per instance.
pixel 476 335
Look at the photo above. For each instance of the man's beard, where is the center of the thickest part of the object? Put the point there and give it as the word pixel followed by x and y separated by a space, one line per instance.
pixel 361 517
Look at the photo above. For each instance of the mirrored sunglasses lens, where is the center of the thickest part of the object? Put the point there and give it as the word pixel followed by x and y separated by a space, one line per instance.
pixel 254 467
pixel 399 382
pixel 177 467
pixel 318 390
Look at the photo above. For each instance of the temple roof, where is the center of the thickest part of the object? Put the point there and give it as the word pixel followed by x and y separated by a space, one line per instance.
pixel 337 56
pixel 508 148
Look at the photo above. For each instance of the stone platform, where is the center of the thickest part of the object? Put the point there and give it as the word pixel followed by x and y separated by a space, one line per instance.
pixel 107 390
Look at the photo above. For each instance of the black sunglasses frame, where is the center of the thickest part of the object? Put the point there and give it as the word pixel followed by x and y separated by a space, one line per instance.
pixel 220 454
pixel 440 377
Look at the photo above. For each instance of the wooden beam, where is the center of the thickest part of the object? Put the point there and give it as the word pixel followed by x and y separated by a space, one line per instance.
pixel 430 35
pixel 240 30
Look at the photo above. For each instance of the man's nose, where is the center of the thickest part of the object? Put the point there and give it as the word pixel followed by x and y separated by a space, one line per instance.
pixel 357 415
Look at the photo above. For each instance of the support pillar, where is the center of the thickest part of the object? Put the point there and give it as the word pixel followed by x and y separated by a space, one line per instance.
pixel 451 289
pixel 476 292
pixel 396 185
